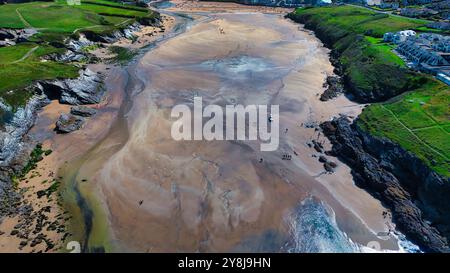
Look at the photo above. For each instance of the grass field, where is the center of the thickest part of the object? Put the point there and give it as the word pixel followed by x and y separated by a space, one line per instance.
pixel 60 17
pixel 21 64
pixel 417 114
pixel 9 17
pixel 361 20
pixel 438 31
pixel 383 52
pixel 418 120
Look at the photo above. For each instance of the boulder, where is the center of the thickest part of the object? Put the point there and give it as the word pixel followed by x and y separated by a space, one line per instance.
pixel 68 123
pixel 5 34
pixel 334 88
pixel 329 166
pixel 68 56
pixel 83 111
pixel 322 159
pixel 317 146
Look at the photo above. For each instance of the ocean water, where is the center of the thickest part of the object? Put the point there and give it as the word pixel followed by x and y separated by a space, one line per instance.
pixel 313 229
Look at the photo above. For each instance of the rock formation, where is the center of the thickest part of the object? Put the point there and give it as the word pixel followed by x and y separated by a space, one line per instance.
pixel 12 36
pixel 418 197
pixel 86 89
pixel 68 123
pixel 82 111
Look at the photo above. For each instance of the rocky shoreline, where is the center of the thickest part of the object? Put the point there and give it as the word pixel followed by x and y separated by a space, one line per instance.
pixel 334 88
pixel 416 195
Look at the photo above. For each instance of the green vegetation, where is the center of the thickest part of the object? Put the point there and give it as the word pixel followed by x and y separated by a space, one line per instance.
pixel 417 115
pixel 383 52
pixel 22 64
pixel 9 17
pixel 58 17
pixel 434 30
pixel 372 72
pixel 360 20
pixel 418 120
pixel 381 9
pixel 51 189
pixel 122 54
pixel 35 156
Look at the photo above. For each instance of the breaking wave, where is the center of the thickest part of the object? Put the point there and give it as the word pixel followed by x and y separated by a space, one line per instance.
pixel 313 229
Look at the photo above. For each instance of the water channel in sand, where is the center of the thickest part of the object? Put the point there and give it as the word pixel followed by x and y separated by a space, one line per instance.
pixel 139 190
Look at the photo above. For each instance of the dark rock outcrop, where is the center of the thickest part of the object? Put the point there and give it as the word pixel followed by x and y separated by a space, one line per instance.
pixel 15 149
pixel 13 132
pixel 66 57
pixel 68 123
pixel 82 111
pixel 113 36
pixel 75 51
pixel 334 88
pixel 86 89
pixel 418 197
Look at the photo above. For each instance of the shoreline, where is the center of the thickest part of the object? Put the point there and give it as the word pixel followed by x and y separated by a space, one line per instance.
pixel 317 166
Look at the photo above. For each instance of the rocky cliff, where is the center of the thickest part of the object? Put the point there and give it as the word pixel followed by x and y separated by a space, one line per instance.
pixel 418 197
pixel 15 146
pixel 14 151
pixel 86 89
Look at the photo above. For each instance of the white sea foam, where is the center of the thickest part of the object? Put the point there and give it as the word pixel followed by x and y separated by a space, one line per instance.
pixel 314 229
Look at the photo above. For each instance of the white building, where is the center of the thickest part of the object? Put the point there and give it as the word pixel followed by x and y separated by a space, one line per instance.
pixel 398 37
pixel 401 36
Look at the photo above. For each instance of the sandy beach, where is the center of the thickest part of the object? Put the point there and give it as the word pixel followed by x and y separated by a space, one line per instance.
pixel 142 191
pixel 217 7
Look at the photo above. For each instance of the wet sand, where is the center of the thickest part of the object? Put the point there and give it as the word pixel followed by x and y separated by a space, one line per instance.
pixel 130 187
pixel 161 195
pixel 205 6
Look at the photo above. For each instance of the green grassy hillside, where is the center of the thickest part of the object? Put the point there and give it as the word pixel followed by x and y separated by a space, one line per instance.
pixel 418 120
pixel 371 70
pixel 416 114
pixel 20 65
